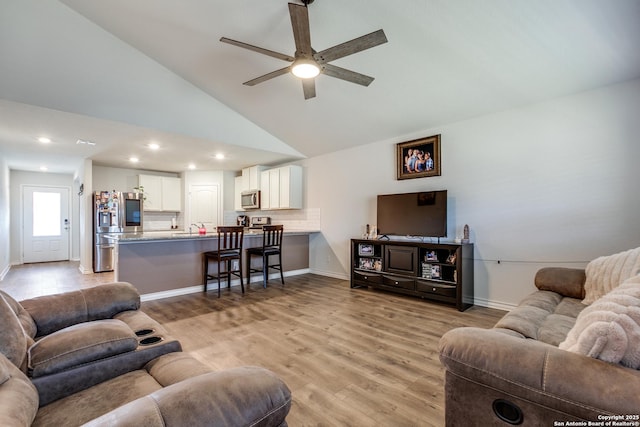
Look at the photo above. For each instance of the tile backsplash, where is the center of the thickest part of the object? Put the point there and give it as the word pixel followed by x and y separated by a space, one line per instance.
pixel 161 221
pixel 292 219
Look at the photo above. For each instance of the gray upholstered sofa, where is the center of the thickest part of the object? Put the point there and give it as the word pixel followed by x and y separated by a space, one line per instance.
pixel 93 357
pixel 517 373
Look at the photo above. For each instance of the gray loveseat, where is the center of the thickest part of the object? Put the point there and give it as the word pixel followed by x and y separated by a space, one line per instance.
pixel 516 374
pixel 93 357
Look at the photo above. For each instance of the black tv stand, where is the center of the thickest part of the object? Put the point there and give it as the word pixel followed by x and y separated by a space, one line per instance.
pixel 435 271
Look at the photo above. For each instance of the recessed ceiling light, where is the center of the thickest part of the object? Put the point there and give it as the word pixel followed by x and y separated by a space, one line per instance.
pixel 85 142
pixel 44 140
pixel 43 168
pixel 153 146
pixel 134 159
pixel 191 166
pixel 219 156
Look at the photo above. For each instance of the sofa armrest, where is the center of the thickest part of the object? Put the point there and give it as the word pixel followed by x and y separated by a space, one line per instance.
pixel 233 397
pixel 54 312
pixel 18 397
pixel 568 282
pixel 540 372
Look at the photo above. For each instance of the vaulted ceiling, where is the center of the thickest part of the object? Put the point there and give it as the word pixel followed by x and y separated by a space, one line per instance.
pixel 124 73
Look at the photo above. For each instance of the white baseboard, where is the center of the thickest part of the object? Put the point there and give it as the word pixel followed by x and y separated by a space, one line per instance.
pixel 84 270
pixel 171 293
pixel 494 304
pixel 258 278
pixel 198 288
pixel 4 272
pixel 332 274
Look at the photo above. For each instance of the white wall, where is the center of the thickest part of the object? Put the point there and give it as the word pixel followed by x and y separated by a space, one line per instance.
pixel 20 178
pixel 120 179
pixel 4 218
pixel 84 176
pixel 553 183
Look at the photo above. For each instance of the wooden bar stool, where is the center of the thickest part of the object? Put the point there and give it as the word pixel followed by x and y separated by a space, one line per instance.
pixel 271 245
pixel 229 249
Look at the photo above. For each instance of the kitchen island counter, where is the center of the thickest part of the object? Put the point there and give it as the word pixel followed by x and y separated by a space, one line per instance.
pixel 153 236
pixel 165 264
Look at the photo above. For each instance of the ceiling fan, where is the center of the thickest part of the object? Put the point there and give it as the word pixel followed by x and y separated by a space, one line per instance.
pixel 306 62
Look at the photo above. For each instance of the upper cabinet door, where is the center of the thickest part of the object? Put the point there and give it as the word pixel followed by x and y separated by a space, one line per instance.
pixel 282 188
pixel 152 186
pixel 265 193
pixel 171 194
pixel 251 177
pixel 161 193
pixel 291 187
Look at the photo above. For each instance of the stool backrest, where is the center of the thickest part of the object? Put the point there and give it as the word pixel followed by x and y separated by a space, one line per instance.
pixel 230 238
pixel 272 236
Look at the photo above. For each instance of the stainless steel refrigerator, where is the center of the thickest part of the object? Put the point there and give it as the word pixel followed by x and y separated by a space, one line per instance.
pixel 114 213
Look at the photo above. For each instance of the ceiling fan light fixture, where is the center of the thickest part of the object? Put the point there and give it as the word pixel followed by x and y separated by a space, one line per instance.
pixel 305 68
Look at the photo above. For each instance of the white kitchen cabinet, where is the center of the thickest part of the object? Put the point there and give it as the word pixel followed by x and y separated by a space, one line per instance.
pixel 274 188
pixel 265 192
pixel 171 194
pixel 251 177
pixel 238 189
pixel 161 193
pixel 290 187
pixel 282 188
pixel 152 187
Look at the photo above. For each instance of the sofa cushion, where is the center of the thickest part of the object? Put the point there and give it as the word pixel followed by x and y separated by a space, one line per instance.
pixel 609 329
pixel 18 397
pixel 28 325
pixel 5 373
pixel 605 273
pixel 85 405
pixel 79 344
pixel 544 316
pixel 13 342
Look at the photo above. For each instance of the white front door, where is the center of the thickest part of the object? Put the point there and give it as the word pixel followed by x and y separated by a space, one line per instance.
pixel 45 219
pixel 204 205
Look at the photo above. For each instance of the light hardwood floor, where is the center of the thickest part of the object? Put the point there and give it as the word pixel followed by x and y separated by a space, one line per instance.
pixel 352 357
pixel 45 278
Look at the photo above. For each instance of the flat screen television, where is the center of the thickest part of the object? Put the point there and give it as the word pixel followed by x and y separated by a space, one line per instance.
pixel 413 214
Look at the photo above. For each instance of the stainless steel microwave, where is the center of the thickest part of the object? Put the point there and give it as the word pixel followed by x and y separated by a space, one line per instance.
pixel 250 199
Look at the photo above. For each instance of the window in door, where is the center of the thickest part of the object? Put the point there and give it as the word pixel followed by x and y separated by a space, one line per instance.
pixel 46 214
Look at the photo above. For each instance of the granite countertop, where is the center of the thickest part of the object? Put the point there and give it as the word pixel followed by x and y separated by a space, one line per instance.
pixel 168 235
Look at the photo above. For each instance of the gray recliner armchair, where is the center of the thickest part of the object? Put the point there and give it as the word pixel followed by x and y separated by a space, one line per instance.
pixel 92 356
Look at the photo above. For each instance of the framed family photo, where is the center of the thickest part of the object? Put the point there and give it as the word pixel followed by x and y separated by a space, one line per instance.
pixel 365 249
pixel 418 158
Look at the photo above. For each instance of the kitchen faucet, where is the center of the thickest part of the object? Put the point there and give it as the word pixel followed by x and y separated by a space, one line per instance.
pixel 199 227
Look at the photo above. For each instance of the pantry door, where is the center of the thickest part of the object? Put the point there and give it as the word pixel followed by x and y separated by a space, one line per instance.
pixel 46 226
pixel 204 206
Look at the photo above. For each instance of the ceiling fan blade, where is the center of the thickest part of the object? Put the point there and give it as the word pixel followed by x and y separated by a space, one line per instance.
pixel 348 75
pixel 267 76
pixel 300 24
pixel 352 46
pixel 258 49
pixel 309 88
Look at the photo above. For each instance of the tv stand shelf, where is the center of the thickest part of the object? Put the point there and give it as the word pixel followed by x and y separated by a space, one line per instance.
pixel 435 271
